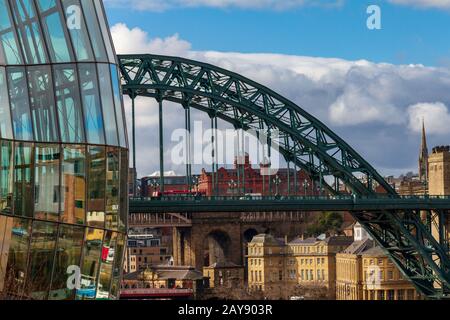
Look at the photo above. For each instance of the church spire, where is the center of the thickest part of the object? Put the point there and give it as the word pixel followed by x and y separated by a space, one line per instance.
pixel 423 157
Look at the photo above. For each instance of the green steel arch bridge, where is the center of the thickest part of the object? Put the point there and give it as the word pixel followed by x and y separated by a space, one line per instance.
pixel 411 230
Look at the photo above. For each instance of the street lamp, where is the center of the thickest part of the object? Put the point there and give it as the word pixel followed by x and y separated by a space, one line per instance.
pixel 233 186
pixel 195 182
pixel 306 185
pixel 153 184
pixel 277 182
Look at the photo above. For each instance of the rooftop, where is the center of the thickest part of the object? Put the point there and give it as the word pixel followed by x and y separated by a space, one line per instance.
pixel 268 239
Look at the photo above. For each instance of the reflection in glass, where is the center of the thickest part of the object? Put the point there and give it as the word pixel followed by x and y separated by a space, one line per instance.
pixel 9 49
pixel 46 182
pixel 14 255
pixel 5 113
pixel 90 96
pixel 97 185
pixel 20 107
pixel 42 103
pixel 80 37
pixel 42 252
pixel 6 177
pixel 23 173
pixel 56 36
pixel 68 104
pixel 29 32
pixel 73 185
pixel 3 255
pixel 107 104
pixel 105 32
pixel 123 217
pixel 118 106
pixel 63 174
pixel 117 269
pixel 90 265
pixel 68 253
pixel 108 252
pixel 94 31
pixel 112 188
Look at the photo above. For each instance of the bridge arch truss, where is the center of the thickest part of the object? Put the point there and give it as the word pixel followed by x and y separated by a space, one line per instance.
pixel 405 235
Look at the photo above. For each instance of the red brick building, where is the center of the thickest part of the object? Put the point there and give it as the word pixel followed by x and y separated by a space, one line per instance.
pixel 244 179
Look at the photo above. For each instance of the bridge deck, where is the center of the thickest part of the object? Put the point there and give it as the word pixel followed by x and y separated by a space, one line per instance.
pixel 270 204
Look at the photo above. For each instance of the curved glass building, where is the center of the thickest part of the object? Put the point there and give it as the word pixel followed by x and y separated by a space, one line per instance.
pixel 63 152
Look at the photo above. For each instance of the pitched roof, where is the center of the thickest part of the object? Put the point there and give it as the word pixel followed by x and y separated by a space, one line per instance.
pixel 308 241
pixel 374 252
pixel 358 247
pixel 267 239
pixel 224 265
pixel 331 241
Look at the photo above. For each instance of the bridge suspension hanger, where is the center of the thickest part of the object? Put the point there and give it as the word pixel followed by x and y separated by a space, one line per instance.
pixel 244 156
pixel 187 118
pixel 161 142
pixel 133 129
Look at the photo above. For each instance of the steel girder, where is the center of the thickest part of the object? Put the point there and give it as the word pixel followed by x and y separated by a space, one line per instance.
pixel 302 140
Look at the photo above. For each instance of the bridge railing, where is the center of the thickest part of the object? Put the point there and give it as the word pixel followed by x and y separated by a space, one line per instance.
pixel 289 198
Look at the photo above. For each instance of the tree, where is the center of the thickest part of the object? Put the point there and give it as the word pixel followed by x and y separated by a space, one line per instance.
pixel 328 222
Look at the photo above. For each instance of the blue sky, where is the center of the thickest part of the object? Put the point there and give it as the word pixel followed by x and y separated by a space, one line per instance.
pixel 373 88
pixel 409 34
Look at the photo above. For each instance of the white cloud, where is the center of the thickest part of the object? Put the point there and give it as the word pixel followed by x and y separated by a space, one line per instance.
pixel 439 4
pixel 375 107
pixel 436 116
pixel 161 5
pixel 128 41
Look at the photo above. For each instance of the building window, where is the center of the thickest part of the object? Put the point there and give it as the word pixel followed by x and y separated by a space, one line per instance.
pixel 390 295
pixel 390 275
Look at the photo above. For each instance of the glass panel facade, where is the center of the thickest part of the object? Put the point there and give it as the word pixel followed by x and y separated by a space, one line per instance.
pixel 97 187
pixel 118 106
pixel 74 185
pixel 23 174
pixel 108 104
pixel 57 37
pixel 20 103
pixel 68 103
pixel 46 182
pixel 92 253
pixel 90 95
pixel 42 102
pixel 68 253
pixel 6 131
pixel 29 31
pixel 9 49
pixel 42 253
pixel 79 33
pixel 94 30
pixel 63 152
